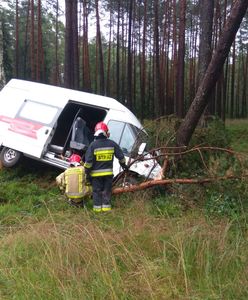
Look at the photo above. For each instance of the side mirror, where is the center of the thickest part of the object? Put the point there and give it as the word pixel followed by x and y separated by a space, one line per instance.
pixel 142 148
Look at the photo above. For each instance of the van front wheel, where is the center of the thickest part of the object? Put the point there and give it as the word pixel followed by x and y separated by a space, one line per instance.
pixel 9 157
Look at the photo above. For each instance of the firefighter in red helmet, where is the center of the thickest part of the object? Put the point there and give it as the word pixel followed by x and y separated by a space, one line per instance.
pixel 73 182
pixel 99 166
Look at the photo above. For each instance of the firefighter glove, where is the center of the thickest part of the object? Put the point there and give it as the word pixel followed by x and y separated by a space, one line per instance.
pixel 124 166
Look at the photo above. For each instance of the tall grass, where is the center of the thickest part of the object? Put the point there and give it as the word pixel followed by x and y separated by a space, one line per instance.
pixel 124 256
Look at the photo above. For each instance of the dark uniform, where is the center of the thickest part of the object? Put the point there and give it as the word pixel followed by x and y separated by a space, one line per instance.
pixel 99 166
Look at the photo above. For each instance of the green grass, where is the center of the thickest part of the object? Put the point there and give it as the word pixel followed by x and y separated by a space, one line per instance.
pixel 238 131
pixel 186 242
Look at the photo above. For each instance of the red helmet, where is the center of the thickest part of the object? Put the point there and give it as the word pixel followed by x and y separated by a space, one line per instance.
pixel 101 128
pixel 75 160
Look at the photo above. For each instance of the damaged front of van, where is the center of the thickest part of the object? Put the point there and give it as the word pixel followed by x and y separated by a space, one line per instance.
pixel 126 130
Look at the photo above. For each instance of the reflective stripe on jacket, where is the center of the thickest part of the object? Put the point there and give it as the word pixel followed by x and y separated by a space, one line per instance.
pixel 100 155
pixel 74 182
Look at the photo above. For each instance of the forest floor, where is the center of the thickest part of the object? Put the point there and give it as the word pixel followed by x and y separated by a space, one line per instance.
pixel 182 242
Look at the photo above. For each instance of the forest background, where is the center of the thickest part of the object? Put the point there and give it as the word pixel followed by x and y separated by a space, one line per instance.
pixel 149 55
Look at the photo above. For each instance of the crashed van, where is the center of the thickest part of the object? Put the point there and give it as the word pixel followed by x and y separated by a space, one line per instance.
pixel 47 123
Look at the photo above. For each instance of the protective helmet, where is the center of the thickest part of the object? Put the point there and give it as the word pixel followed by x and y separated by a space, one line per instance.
pixel 101 128
pixel 75 160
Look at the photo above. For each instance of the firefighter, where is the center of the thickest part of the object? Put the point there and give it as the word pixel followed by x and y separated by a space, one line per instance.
pixel 73 182
pixel 99 166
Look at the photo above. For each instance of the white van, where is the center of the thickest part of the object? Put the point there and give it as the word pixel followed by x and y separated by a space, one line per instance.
pixel 48 123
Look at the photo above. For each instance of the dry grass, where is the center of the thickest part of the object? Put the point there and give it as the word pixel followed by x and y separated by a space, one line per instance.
pixel 140 257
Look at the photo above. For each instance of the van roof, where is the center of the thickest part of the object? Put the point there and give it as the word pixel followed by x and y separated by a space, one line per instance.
pixel 59 96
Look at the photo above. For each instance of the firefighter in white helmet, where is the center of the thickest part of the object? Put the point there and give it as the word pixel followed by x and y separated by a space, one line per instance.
pixel 99 166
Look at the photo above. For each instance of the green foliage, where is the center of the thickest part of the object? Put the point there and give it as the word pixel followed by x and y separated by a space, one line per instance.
pixel 195 163
pixel 168 206
pixel 199 162
pixel 226 199
pixel 222 204
pixel 213 134
pixel 238 132
pixel 162 131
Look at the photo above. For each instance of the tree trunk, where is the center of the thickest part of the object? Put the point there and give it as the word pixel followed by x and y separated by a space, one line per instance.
pixel 108 81
pixel 129 57
pixel 39 54
pixel 25 69
pixel 2 75
pixel 85 55
pixel 181 55
pixel 232 110
pixel 100 51
pixel 17 40
pixel 159 82
pixel 215 67
pixel 71 65
pixel 205 48
pixel 244 90
pixel 75 44
pixel 56 67
pixel 68 64
pixel 118 53
pixel 143 64
pixel 32 42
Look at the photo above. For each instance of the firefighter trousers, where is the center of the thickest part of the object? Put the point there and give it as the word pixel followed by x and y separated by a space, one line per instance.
pixel 102 187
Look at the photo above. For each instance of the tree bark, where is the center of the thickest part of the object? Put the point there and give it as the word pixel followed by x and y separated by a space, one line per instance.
pixel 143 63
pixel 215 67
pixel 71 65
pixel 75 45
pixel 32 42
pixel 118 53
pixel 68 64
pixel 152 183
pixel 17 40
pixel 129 57
pixel 85 55
pixel 100 51
pixel 39 54
pixel 181 55
pixel 2 75
pixel 205 48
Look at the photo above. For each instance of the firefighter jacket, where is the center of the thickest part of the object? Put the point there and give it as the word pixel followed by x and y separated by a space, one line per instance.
pixel 73 182
pixel 100 155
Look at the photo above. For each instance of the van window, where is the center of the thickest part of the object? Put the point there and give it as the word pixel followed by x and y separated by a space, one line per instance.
pixel 116 129
pixel 127 140
pixel 38 112
pixel 126 135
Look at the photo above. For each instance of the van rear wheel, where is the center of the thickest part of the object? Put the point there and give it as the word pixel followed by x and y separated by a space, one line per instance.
pixel 9 157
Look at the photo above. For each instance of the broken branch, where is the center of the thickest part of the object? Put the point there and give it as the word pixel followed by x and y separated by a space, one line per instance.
pixel 152 183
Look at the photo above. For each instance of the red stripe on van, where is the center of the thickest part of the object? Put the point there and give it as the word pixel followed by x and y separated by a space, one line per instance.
pixel 22 127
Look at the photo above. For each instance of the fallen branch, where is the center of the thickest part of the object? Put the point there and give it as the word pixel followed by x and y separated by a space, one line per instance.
pixel 152 183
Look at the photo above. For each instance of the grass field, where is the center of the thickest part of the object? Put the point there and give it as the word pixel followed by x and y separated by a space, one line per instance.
pixel 185 242
pixel 238 130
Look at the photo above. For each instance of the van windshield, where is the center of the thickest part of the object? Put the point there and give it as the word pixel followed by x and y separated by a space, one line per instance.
pixel 127 136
